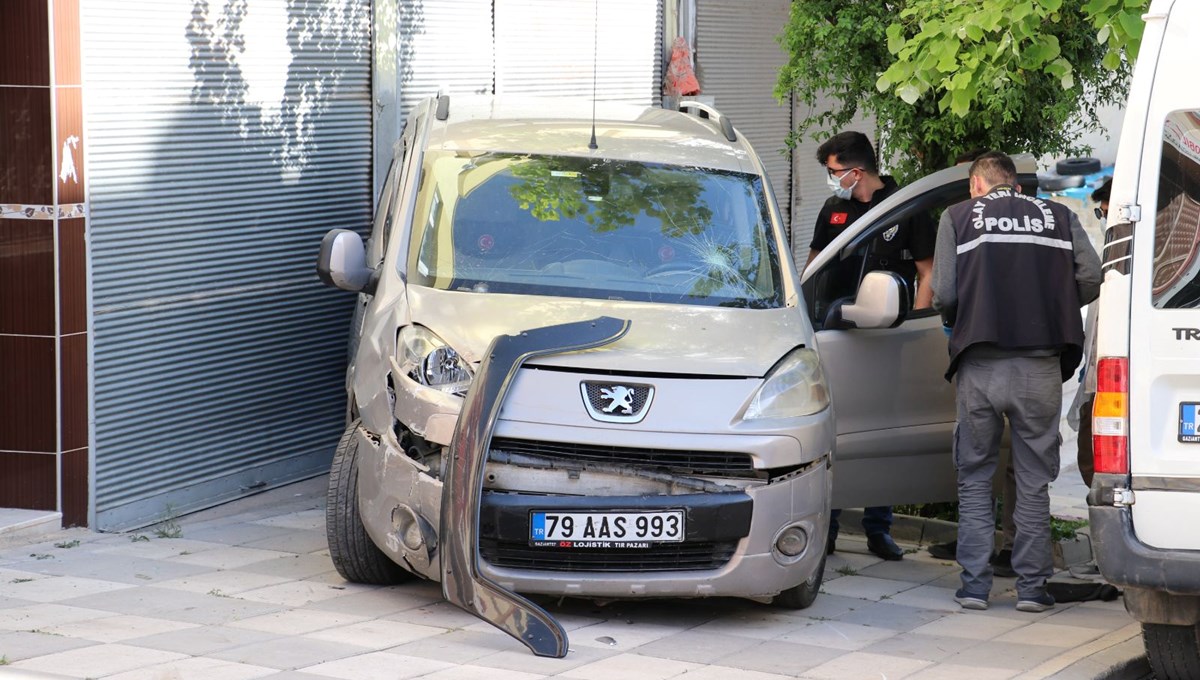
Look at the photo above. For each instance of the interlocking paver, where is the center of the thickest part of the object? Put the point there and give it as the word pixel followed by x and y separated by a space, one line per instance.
pixel 202 640
pixel 375 634
pixel 914 645
pixel 886 614
pixel 297 621
pixel 964 625
pixel 97 660
pixel 866 666
pixel 377 665
pixel 174 604
pixel 866 587
pixel 1051 634
pixel 286 653
pixel 117 628
pixel 196 669
pixel 696 646
pixel 630 666
pixel 57 588
pixel 837 635
pixel 18 645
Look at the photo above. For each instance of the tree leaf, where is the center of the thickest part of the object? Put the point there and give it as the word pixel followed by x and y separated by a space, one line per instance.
pixel 883 83
pixel 909 94
pixel 895 38
pixel 1102 36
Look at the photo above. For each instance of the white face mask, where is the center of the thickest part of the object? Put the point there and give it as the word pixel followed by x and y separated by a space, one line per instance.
pixel 835 185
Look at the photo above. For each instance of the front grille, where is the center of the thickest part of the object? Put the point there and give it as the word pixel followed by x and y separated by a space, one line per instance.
pixel 717 463
pixel 663 557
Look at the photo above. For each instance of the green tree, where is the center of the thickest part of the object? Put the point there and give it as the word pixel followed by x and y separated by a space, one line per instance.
pixel 942 77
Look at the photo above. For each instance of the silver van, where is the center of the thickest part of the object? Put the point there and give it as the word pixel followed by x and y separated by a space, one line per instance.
pixel 584 364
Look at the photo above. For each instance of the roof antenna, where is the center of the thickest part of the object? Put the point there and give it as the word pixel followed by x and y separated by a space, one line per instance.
pixel 595 39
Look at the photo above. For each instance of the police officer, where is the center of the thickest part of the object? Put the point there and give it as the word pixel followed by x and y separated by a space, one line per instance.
pixel 905 248
pixel 1010 275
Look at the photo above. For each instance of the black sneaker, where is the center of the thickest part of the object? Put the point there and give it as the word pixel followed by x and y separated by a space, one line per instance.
pixel 1035 605
pixel 968 601
pixel 1002 564
pixel 944 551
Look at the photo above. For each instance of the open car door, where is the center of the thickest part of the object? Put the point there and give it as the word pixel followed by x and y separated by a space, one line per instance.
pixel 895 410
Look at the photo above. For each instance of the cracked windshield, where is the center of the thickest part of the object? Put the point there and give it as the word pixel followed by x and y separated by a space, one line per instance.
pixel 594 228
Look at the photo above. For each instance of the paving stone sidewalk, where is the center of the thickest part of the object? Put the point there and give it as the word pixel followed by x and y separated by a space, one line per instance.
pixel 247 590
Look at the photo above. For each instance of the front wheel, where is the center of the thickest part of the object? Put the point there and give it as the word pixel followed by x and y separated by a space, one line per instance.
pixel 354 554
pixel 1174 651
pixel 803 595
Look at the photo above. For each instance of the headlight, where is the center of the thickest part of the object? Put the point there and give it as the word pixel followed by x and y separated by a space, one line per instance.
pixel 426 358
pixel 795 387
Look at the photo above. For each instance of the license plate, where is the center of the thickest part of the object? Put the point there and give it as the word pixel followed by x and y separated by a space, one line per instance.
pixel 1189 422
pixel 616 528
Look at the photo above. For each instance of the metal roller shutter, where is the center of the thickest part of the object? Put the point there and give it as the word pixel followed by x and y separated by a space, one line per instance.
pixel 224 139
pixel 444 44
pixel 738 61
pixel 545 47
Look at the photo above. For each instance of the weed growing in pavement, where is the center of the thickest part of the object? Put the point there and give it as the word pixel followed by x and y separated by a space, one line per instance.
pixel 885 597
pixel 21 580
pixel 1063 529
pixel 168 528
pixel 41 556
pixel 67 545
pixel 910 551
pixel 3 660
pixel 847 570
pixel 139 537
pixel 216 592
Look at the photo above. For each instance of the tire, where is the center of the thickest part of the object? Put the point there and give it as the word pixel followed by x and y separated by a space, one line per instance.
pixel 1078 166
pixel 803 595
pixel 354 554
pixel 1174 651
pixel 1047 182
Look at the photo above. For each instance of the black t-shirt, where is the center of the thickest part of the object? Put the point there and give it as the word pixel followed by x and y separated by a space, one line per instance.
pixel 896 249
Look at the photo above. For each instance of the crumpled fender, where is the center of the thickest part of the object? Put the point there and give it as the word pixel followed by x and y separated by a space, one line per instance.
pixel 463 584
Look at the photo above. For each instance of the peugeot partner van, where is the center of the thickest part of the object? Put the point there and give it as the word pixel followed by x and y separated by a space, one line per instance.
pixel 584 364
pixel 1145 497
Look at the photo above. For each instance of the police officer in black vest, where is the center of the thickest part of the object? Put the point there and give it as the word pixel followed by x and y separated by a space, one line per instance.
pixel 1010 274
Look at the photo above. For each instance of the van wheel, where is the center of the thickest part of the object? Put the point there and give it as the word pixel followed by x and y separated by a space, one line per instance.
pixel 803 595
pixel 1174 651
pixel 354 554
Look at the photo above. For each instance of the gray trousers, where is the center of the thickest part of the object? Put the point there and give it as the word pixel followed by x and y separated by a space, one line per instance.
pixel 1028 390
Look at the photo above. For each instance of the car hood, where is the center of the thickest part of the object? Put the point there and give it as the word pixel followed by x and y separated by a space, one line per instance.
pixel 662 338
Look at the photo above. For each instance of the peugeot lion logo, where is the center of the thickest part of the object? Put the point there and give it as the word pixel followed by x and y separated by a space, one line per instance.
pixel 616 403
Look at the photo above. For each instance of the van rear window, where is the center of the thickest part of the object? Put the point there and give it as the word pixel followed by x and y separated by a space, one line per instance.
pixel 1176 280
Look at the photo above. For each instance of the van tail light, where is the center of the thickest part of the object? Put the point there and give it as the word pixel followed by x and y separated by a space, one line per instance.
pixel 1110 417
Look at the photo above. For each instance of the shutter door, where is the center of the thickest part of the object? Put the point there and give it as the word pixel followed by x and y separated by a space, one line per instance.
pixel 447 43
pixel 224 139
pixel 545 47
pixel 738 61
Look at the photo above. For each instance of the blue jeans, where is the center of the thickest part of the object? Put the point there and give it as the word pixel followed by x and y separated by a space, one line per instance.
pixel 876 520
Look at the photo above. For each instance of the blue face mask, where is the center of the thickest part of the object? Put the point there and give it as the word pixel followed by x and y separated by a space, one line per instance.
pixel 835 185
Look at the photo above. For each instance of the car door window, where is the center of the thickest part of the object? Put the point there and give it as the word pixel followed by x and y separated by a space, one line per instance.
pixel 381 229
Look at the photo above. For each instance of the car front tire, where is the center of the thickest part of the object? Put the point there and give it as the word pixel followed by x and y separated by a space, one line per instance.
pixel 803 595
pixel 354 554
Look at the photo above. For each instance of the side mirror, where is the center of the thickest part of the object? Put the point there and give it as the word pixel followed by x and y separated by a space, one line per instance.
pixel 882 301
pixel 343 261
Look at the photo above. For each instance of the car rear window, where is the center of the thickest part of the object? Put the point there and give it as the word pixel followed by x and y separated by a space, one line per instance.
pixel 593 228
pixel 1176 281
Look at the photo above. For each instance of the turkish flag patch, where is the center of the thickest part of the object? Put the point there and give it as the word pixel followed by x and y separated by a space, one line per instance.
pixel 838 218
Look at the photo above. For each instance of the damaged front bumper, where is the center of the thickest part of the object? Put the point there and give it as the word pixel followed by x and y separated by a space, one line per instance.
pixel 732 523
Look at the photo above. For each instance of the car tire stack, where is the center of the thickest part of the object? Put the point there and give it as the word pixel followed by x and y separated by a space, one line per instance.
pixel 354 554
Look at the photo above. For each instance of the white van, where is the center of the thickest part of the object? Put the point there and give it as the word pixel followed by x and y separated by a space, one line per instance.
pixel 1145 497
